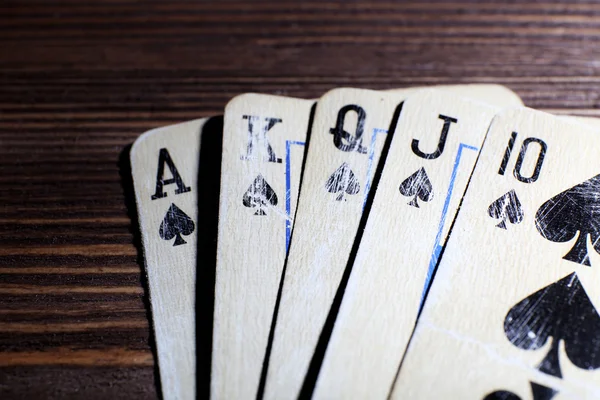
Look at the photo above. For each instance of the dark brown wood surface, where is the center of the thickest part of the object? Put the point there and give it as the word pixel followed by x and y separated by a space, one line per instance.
pixel 79 81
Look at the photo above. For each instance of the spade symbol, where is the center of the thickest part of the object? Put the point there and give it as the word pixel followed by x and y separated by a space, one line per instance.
pixel 342 181
pixel 564 312
pixel 538 391
pixel 419 186
pixel 574 210
pixel 507 207
pixel 259 194
pixel 174 224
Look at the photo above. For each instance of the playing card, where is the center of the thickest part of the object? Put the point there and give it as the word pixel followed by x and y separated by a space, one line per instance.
pixel 164 164
pixel 349 130
pixel 263 150
pixel 431 156
pixel 512 312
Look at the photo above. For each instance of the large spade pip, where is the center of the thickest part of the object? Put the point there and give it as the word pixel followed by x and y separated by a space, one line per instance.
pixel 563 312
pixel 574 210
pixel 538 392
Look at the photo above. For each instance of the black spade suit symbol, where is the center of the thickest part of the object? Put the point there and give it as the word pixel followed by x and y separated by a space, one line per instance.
pixel 506 208
pixel 174 224
pixel 539 392
pixel 259 195
pixel 561 311
pixel 342 181
pixel 574 210
pixel 416 186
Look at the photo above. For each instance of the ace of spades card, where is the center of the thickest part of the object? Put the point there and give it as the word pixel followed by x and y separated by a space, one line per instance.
pixel 513 310
pixel 164 164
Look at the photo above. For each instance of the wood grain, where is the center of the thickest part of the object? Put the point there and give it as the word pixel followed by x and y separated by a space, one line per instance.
pixel 79 81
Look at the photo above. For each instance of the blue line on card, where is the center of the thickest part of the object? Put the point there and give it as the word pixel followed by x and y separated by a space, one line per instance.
pixel 376 131
pixel 437 247
pixel 288 191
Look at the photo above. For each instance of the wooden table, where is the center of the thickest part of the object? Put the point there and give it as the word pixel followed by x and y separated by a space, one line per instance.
pixel 79 81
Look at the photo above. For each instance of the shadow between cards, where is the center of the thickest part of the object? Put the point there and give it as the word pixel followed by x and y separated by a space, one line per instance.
pixel 209 182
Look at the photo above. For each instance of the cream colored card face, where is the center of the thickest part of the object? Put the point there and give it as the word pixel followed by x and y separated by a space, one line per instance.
pixel 590 121
pixel 164 164
pixel 263 150
pixel 493 94
pixel 348 133
pixel 512 312
pixel 431 157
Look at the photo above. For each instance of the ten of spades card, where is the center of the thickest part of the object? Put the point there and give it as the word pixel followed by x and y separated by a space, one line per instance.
pixel 512 312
